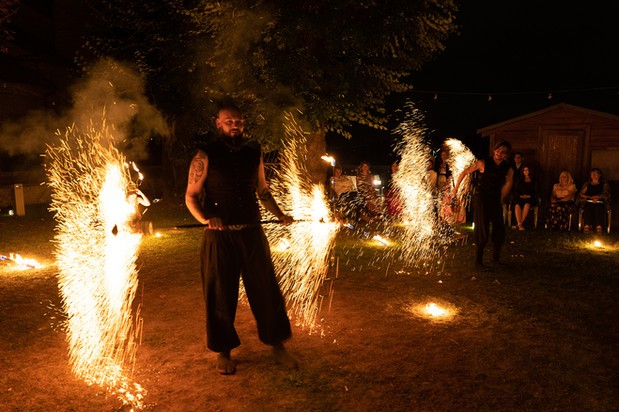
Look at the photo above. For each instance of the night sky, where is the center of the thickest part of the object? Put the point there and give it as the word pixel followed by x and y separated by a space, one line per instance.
pixel 516 52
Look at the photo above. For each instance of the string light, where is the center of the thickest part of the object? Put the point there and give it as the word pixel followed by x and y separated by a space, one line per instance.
pixel 435 93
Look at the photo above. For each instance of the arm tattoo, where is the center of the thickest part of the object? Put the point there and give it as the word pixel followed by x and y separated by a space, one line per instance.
pixel 265 195
pixel 196 170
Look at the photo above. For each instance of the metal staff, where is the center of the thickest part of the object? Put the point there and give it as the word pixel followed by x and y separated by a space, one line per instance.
pixel 262 222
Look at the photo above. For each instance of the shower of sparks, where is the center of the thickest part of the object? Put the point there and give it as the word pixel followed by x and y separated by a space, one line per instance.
pixel 301 257
pixel 96 251
pixel 22 263
pixel 460 157
pixel 420 234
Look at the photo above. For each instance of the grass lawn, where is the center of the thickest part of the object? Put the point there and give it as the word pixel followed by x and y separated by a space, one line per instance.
pixel 539 334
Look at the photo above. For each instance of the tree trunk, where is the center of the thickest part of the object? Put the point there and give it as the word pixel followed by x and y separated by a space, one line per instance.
pixel 317 147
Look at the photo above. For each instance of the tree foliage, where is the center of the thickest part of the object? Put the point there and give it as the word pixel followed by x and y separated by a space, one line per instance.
pixel 8 9
pixel 334 61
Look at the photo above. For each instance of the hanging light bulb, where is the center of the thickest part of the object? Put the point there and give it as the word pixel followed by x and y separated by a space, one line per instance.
pixel 435 96
pixel 549 96
pixel 489 97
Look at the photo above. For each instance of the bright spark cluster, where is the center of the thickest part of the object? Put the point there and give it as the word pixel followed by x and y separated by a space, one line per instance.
pixel 460 157
pixel 96 251
pixel 420 235
pixel 303 248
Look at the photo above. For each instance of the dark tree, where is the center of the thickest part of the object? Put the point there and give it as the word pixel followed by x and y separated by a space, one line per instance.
pixel 331 63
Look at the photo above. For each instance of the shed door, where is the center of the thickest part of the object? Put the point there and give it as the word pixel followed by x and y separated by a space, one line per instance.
pixel 564 151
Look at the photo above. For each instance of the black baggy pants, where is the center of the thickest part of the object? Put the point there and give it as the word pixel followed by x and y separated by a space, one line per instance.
pixel 488 210
pixel 225 256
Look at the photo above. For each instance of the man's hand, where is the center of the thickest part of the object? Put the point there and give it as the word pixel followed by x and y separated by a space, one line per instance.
pixel 214 223
pixel 285 219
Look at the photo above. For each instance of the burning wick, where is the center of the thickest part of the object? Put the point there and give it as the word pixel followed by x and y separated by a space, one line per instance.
pixel 598 244
pixel 381 240
pixel 22 262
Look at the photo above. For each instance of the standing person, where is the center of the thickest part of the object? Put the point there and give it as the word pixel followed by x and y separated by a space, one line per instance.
pixel 431 176
pixel 516 164
pixel 224 180
pixel 494 184
pixel 444 180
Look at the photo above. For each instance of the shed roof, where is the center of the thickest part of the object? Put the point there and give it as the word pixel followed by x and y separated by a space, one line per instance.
pixel 562 107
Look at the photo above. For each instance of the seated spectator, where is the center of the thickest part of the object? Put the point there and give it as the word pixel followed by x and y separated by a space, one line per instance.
pixel 344 195
pixel 561 202
pixel 516 165
pixel 340 184
pixel 524 196
pixel 594 196
pixel 365 187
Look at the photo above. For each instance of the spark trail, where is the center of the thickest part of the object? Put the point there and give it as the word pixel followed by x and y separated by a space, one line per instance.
pixel 96 251
pixel 302 265
pixel 460 157
pixel 420 235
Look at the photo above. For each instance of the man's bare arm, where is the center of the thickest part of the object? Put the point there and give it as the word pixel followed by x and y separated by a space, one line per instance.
pixel 195 182
pixel 478 165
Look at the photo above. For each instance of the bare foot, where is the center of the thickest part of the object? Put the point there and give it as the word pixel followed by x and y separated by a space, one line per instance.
pixel 285 358
pixel 225 364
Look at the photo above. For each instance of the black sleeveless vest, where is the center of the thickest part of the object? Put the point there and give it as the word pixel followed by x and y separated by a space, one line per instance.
pixel 231 182
pixel 492 179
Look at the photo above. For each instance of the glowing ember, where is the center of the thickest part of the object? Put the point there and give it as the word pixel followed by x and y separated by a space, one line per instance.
pixel 96 249
pixel 23 263
pixel 303 266
pixel 435 310
pixel 598 244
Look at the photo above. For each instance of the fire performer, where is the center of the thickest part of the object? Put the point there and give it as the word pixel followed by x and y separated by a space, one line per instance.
pixel 224 180
pixel 492 188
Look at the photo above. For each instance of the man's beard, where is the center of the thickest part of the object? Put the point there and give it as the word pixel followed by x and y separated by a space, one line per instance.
pixel 234 142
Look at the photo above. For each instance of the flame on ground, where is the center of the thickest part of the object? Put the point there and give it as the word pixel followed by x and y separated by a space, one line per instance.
pixel 96 251
pixel 22 263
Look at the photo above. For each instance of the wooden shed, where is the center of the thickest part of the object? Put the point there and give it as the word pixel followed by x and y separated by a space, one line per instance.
pixel 563 137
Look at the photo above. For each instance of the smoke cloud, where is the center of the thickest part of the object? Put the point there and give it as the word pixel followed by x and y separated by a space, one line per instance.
pixel 110 92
